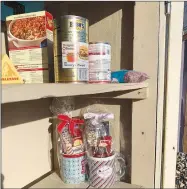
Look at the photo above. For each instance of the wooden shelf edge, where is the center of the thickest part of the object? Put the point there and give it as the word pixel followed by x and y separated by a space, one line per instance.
pixel 53 181
pixel 24 92
pixel 137 94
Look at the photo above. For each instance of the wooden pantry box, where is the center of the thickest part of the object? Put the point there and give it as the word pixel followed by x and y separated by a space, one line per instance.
pixel 137 32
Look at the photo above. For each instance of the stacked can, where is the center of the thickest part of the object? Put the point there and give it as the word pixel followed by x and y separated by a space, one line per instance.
pixel 99 62
pixel 72 49
pixel 57 52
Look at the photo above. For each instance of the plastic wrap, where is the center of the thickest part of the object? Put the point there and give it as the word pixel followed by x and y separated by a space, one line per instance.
pixel 97 132
pixel 70 133
pixel 86 146
pixel 106 166
pixel 97 136
pixel 70 147
pixel 61 106
pixel 128 76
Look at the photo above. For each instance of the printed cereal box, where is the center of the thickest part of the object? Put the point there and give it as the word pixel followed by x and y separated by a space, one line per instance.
pixel 30 44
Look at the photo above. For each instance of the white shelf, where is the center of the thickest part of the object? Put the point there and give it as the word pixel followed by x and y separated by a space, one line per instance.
pixel 24 92
pixel 53 181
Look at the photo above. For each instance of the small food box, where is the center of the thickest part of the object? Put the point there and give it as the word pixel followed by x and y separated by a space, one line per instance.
pixel 30 44
pixel 9 73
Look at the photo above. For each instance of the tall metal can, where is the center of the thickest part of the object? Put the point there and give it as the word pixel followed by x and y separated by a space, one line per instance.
pixel 99 62
pixel 56 38
pixel 72 34
pixel 57 52
pixel 74 28
pixel 58 68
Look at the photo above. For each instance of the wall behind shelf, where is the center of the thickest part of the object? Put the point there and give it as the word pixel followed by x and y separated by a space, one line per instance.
pixel 26 142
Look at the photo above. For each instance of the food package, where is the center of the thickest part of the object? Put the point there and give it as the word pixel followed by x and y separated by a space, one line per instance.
pixel 97 136
pixel 128 76
pixel 70 148
pixel 70 132
pixel 9 72
pixel 30 45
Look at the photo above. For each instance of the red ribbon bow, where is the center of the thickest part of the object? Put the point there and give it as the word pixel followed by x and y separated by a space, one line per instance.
pixel 70 121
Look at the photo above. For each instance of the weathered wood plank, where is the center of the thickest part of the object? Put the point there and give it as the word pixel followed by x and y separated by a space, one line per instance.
pixel 53 181
pixel 145 59
pixel 16 93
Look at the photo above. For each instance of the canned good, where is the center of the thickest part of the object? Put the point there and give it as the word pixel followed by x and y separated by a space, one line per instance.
pixel 56 23
pixel 100 77
pixel 74 28
pixel 99 62
pixel 56 39
pixel 58 68
pixel 74 35
pixel 68 75
pixel 71 49
pixel 57 42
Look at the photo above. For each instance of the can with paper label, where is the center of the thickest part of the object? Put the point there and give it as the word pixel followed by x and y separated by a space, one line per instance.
pixel 74 48
pixel 99 62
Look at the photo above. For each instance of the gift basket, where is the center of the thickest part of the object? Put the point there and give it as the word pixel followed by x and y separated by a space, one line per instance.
pixel 86 147
pixel 71 150
pixel 106 166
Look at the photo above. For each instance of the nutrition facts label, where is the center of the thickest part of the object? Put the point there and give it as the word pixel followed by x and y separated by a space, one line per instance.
pixel 74 55
pixel 100 76
pixel 99 57
pixel 34 73
pixel 99 62
pixel 29 56
pixel 32 64
pixel 82 74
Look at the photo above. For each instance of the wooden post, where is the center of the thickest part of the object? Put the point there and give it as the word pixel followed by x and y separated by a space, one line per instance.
pixel 171 116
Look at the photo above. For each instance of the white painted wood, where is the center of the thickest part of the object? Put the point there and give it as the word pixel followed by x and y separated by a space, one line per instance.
pixel 145 59
pixel 106 25
pixel 26 142
pixel 53 181
pixel 160 98
pixel 124 185
pixel 133 94
pixel 16 93
pixel 182 100
pixel 173 94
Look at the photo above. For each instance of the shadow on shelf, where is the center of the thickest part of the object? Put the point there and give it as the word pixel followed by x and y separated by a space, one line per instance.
pixel 23 112
pixel 98 11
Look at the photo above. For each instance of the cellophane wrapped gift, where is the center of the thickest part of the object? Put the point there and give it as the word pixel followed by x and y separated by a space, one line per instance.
pixel 97 133
pixel 70 131
pixel 128 76
pixel 70 146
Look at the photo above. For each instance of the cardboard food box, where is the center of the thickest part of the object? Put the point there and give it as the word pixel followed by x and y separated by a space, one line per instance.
pixel 30 44
pixel 9 73
pixel 3 44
